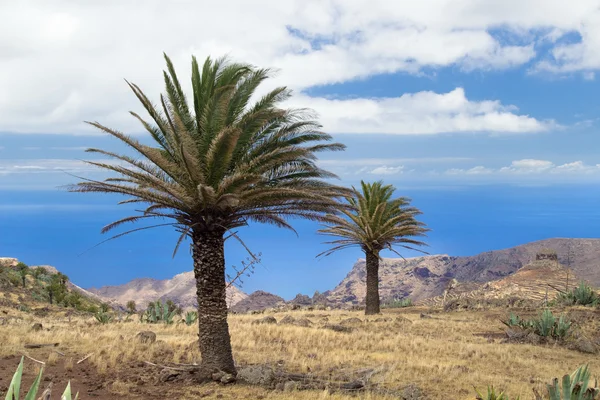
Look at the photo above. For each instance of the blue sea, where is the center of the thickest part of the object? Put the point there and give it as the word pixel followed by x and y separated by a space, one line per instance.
pixel 63 229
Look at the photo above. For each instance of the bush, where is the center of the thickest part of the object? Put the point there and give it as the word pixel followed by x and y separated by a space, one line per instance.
pixel 492 395
pixel 582 295
pixel 574 387
pixel 103 317
pixel 190 317
pixel 15 386
pixel 398 303
pixel 546 325
pixel 158 312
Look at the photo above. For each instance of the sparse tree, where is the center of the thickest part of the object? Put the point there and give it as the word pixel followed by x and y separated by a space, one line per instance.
pixel 57 289
pixel 374 221
pixel 217 163
pixel 23 271
pixel 131 307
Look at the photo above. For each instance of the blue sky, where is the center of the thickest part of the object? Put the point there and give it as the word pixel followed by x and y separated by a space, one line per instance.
pixel 486 114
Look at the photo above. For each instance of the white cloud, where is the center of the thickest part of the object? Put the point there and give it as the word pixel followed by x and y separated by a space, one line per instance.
pixel 533 168
pixel 479 170
pixel 528 166
pixel 385 170
pixel 29 166
pixel 64 62
pixel 420 113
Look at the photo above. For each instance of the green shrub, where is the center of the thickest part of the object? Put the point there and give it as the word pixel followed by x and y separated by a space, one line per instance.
pixel 574 387
pixel 546 324
pixel 398 303
pixel 190 317
pixel 158 312
pixel 582 295
pixel 103 317
pixel 92 308
pixel 15 386
pixel 492 395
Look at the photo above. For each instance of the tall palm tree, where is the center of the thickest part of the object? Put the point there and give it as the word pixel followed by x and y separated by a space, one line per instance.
pixel 218 162
pixel 374 221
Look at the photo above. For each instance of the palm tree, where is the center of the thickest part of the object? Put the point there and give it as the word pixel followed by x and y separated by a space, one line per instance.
pixel 226 158
pixel 374 221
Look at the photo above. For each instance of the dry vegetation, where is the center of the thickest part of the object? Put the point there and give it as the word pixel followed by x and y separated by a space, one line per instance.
pixel 445 355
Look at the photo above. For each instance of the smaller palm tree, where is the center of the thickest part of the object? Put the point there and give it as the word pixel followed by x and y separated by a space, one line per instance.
pixel 374 221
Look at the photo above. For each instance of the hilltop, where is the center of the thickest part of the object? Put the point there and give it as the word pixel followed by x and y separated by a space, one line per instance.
pixel 181 289
pixel 425 277
pixel 42 288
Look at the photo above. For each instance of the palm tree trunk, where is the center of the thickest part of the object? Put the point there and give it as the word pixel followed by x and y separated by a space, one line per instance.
pixel 372 300
pixel 209 271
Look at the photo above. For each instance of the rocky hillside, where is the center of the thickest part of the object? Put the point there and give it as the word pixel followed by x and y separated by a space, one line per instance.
pixel 181 289
pixel 258 300
pixel 532 282
pixel 423 277
pixel 40 284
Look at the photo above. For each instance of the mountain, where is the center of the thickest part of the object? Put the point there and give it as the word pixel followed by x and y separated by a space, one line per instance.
pixel 181 289
pixel 534 282
pixel 424 277
pixel 32 291
pixel 258 300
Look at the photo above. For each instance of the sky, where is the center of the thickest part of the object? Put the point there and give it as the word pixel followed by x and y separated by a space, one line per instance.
pixel 486 114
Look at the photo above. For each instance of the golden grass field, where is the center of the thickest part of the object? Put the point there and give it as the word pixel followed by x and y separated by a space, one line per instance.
pixel 445 356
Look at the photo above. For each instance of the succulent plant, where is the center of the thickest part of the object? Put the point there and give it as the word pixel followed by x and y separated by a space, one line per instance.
pixel 574 386
pixel 15 386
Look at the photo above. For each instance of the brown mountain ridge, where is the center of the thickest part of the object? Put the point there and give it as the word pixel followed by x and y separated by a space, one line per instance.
pixel 424 277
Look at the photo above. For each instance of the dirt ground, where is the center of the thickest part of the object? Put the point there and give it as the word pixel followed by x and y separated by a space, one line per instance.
pixel 443 355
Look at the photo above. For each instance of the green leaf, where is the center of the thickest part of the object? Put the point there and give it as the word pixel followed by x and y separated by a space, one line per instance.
pixel 34 386
pixel 67 393
pixel 15 384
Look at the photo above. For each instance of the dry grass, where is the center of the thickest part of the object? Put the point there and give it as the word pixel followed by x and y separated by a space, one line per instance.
pixel 443 356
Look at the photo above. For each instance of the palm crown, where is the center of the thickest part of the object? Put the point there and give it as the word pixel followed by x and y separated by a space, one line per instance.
pixel 374 221
pixel 221 161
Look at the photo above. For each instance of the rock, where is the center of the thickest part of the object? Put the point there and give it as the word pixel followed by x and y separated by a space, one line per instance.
pixel 227 379
pixel 218 375
pixel 287 320
pixel 584 345
pixel 168 375
pixel 256 375
pixel 532 338
pixel 147 337
pixel 290 386
pixel 384 319
pixel 37 327
pixel 304 322
pixel 351 321
pixel 355 385
pixel 411 392
pixel 266 320
pixel 515 333
pixel 338 328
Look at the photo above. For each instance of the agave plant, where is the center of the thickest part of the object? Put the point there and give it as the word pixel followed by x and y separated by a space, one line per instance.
pixel 103 317
pixel 190 317
pixel 513 320
pixel 15 386
pixel 158 312
pixel 492 395
pixel 574 387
